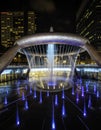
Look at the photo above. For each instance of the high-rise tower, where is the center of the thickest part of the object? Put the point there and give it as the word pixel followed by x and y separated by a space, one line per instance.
pixel 89 23
pixel 15 24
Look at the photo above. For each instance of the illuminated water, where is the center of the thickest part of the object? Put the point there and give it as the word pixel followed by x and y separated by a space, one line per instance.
pixel 49 109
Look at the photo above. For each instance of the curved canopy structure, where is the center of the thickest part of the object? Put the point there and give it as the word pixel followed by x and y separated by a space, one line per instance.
pixel 46 38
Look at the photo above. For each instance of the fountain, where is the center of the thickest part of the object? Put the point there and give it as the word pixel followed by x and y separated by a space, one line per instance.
pixel 51 64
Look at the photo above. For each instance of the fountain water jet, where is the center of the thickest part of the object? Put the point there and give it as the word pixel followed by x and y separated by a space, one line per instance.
pixel 53 63
pixel 50 58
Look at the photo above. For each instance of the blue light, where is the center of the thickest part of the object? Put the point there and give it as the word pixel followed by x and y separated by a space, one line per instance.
pixel 23 96
pixel 7 91
pixel 97 94
pixel 35 93
pixel 94 88
pixel 17 118
pixel 5 101
pixel 86 87
pixel 51 83
pixel 18 123
pixel 84 110
pixel 40 97
pixel 53 125
pixel 26 105
pixel 82 91
pixel 84 113
pixel 7 71
pixel 53 121
pixel 63 94
pixel 77 97
pixel 63 109
pixel 73 91
pixel 30 90
pixel 47 93
pixel 56 100
pixel 89 102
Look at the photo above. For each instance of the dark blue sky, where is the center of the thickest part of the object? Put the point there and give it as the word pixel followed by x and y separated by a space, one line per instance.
pixel 59 14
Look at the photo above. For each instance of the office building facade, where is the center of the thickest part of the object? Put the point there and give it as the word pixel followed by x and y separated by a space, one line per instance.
pixel 15 25
pixel 89 23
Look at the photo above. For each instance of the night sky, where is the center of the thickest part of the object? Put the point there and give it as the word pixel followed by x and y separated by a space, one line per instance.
pixel 59 14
